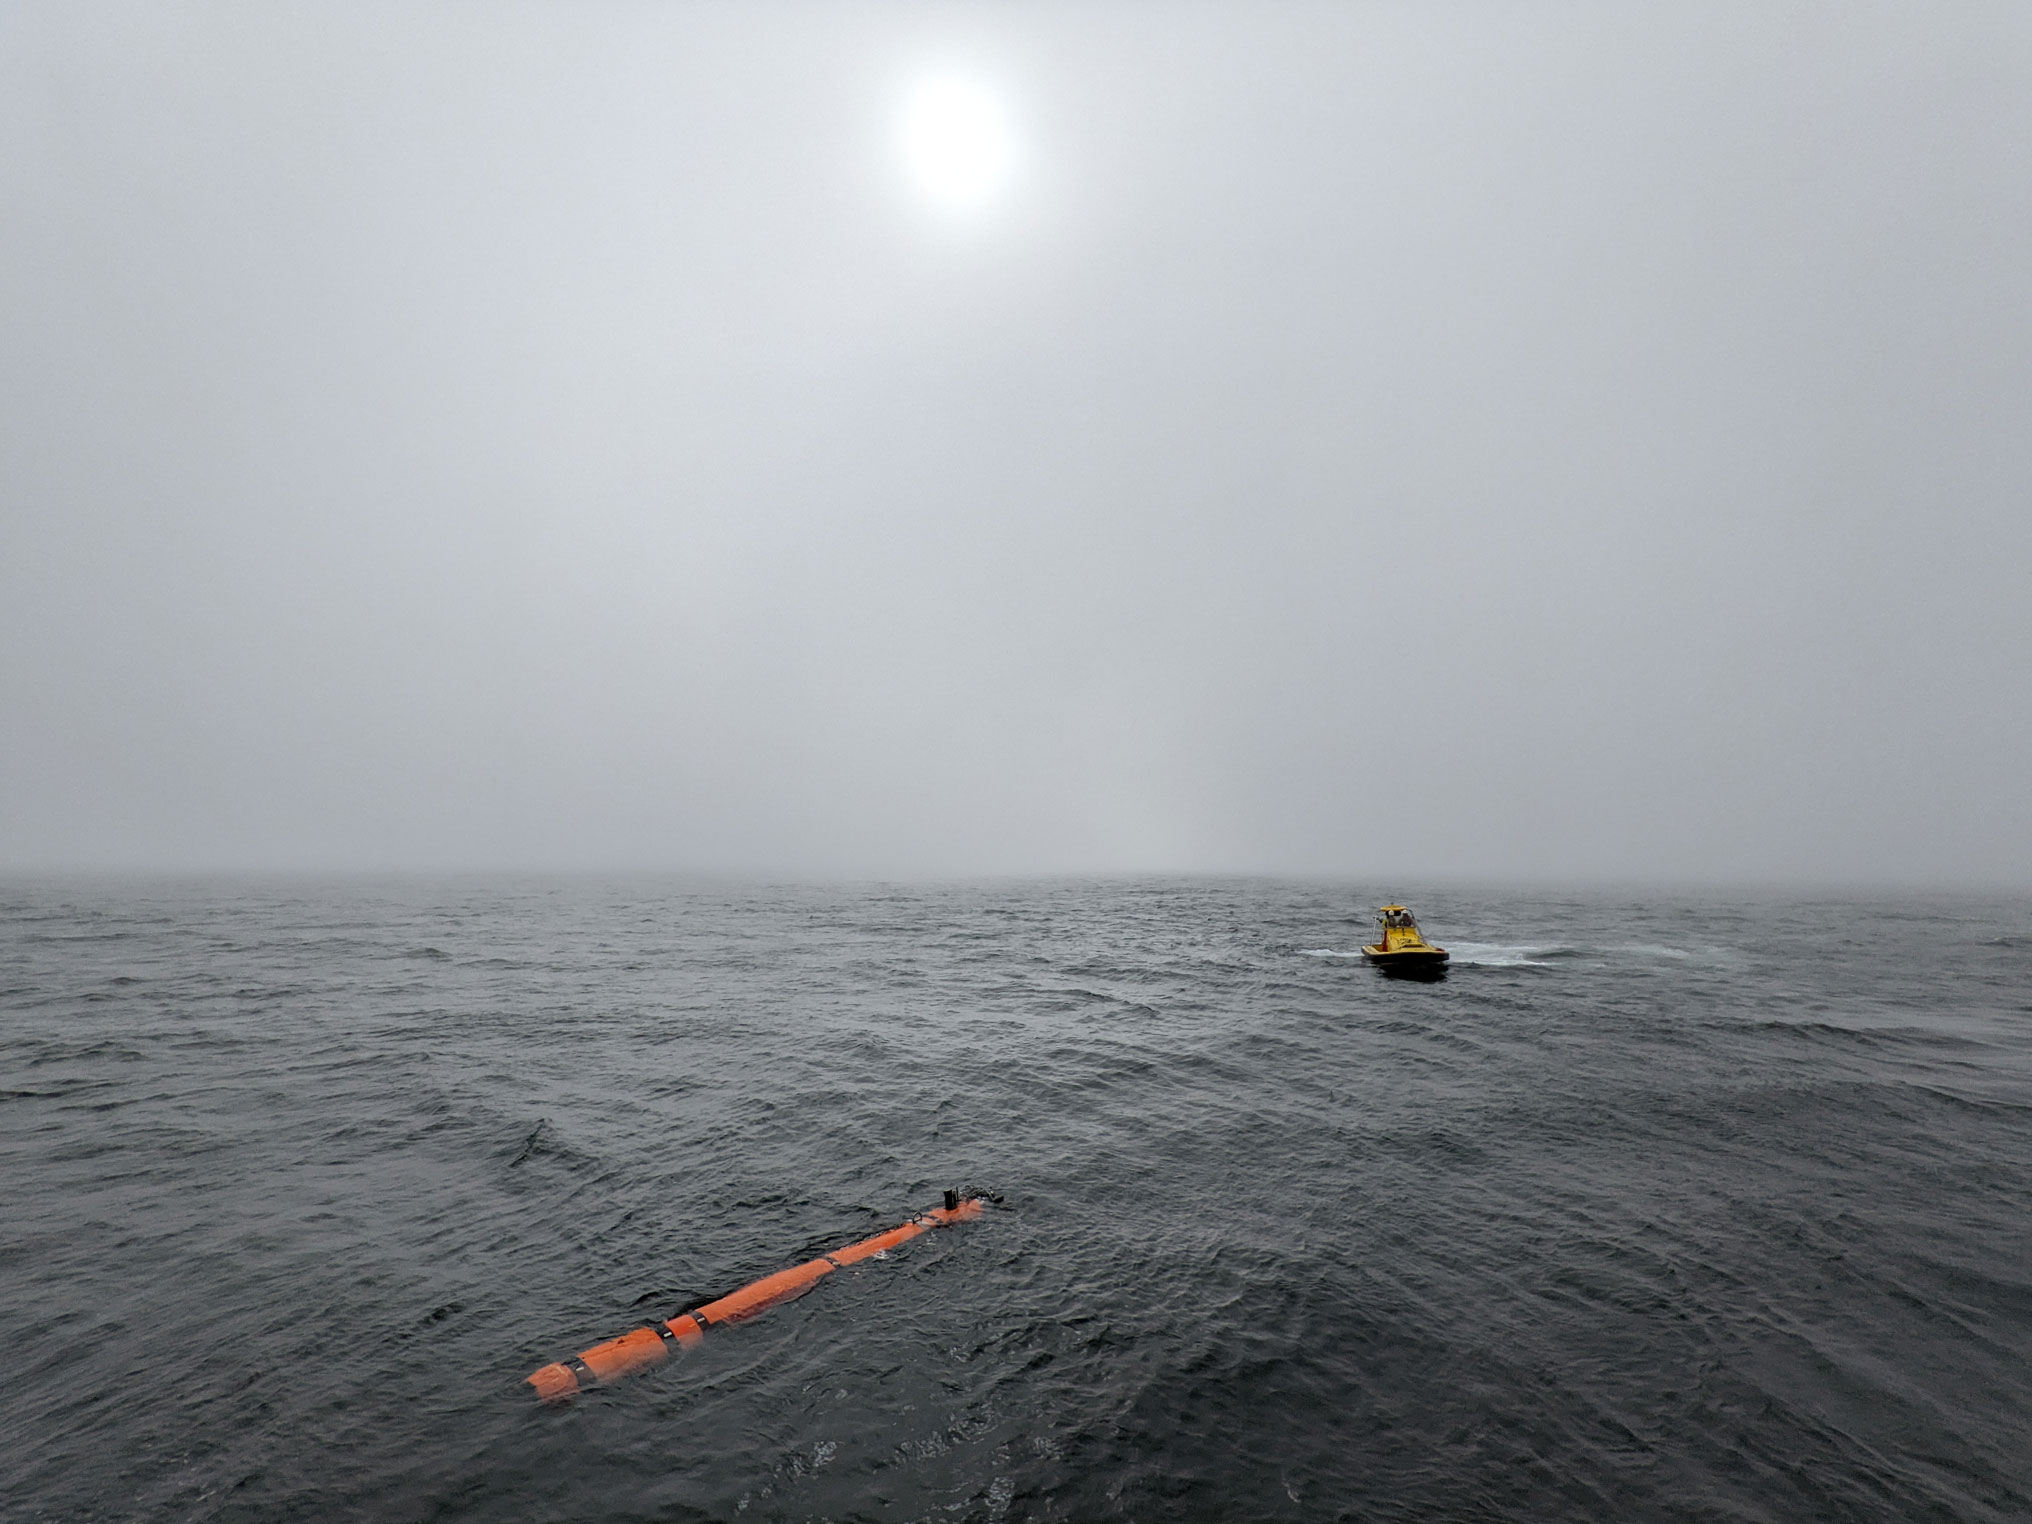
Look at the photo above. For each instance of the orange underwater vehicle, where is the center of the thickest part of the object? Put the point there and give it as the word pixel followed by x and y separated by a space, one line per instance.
pixel 641 1348
pixel 1401 948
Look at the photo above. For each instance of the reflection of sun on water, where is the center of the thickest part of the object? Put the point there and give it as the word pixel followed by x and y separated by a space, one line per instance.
pixel 957 142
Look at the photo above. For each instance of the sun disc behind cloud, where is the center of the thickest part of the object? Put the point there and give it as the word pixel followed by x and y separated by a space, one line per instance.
pixel 957 141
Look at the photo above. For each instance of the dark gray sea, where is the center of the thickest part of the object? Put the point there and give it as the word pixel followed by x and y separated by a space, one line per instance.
pixel 1657 1208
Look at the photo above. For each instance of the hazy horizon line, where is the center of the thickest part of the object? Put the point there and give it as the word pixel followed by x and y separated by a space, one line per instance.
pixel 1422 881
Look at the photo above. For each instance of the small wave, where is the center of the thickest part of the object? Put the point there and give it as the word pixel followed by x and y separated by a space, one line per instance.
pixel 1545 954
pixel 1508 955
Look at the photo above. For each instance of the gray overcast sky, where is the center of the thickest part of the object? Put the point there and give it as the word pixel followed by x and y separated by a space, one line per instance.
pixel 1554 440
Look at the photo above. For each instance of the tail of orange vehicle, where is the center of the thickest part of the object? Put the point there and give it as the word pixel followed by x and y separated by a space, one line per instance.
pixel 643 1347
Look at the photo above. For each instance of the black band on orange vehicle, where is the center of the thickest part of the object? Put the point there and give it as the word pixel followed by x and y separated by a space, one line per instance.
pixel 581 1372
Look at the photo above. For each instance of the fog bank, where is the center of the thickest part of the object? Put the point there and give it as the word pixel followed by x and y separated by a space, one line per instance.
pixel 1571 441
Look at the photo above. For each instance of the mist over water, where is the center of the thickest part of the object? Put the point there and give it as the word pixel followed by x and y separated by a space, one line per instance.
pixel 1412 444
pixel 1667 1208
pixel 569 437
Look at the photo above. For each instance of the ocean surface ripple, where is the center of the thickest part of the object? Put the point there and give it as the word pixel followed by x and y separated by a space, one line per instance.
pixel 1660 1207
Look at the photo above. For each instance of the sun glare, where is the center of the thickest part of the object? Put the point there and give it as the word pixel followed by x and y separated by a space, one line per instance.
pixel 957 142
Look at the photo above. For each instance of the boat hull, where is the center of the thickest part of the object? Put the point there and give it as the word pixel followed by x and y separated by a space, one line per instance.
pixel 1423 960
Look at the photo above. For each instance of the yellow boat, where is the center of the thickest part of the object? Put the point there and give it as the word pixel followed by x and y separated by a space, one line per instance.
pixel 1402 949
